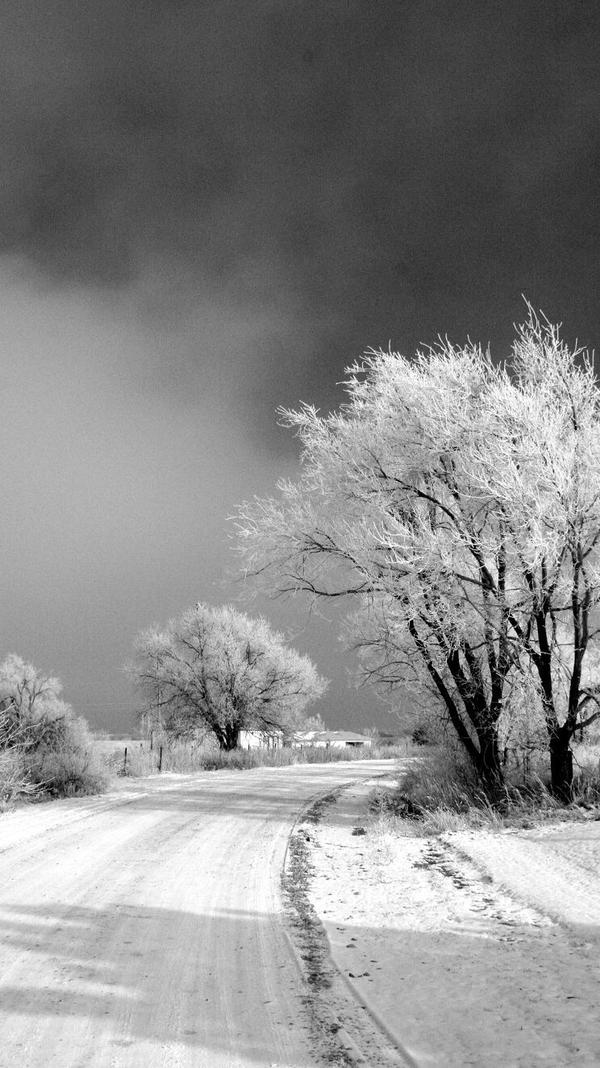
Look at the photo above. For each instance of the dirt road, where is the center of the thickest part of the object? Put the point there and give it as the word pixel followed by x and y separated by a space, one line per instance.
pixel 145 928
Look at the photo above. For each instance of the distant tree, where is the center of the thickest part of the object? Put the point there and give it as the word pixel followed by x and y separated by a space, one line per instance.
pixel 313 723
pixel 458 503
pixel 219 670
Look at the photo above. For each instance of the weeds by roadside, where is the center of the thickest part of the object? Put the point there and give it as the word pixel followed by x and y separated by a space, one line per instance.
pixel 15 781
pixel 187 759
pixel 439 793
pixel 47 758
pixel 586 760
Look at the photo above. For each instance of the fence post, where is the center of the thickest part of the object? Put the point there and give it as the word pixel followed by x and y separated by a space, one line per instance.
pixel 160 758
pixel 125 761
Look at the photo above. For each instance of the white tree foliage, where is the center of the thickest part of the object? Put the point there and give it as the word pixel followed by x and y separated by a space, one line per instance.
pixel 43 744
pixel 219 670
pixel 32 711
pixel 458 501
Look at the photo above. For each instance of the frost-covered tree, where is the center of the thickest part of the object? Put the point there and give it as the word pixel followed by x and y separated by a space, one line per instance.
pixel 33 712
pixel 43 743
pixel 458 503
pixel 221 671
pixel 543 468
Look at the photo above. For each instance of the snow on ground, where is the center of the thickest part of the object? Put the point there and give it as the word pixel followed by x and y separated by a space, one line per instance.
pixel 473 948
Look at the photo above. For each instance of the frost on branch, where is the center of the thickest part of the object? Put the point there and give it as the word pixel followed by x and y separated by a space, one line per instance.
pixel 457 502
pixel 219 671
pixel 43 744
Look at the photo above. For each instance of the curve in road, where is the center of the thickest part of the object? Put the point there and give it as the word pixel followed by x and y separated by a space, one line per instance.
pixel 145 928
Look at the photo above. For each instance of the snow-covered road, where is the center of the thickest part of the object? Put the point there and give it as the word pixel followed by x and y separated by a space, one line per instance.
pixel 145 928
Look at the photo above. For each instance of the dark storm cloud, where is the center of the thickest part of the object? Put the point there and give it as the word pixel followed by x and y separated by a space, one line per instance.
pixel 340 173
pixel 207 209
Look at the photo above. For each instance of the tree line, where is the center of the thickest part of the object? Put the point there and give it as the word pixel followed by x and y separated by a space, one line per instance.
pixel 454 502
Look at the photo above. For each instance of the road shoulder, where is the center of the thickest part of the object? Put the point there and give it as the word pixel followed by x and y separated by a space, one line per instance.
pixel 460 957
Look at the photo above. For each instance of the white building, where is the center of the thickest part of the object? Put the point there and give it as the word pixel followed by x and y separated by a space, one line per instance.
pixel 330 740
pixel 272 739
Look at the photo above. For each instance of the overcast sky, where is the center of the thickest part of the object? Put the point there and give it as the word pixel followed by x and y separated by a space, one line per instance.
pixel 208 209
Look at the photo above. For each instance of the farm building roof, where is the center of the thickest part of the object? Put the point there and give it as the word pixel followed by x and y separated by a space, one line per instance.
pixel 332 736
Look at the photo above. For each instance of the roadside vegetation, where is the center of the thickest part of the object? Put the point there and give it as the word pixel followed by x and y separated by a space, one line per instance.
pixel 439 792
pixel 45 749
pixel 185 758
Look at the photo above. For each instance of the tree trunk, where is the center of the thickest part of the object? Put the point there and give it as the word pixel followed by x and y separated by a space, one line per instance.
pixel 561 767
pixel 228 737
pixel 490 768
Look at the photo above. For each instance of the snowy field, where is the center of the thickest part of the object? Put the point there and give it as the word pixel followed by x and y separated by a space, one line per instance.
pixel 474 948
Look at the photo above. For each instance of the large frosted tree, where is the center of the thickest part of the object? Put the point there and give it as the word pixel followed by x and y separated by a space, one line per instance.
pixel 220 671
pixel 457 503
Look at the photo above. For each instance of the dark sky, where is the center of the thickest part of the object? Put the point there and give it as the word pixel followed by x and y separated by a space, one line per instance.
pixel 208 210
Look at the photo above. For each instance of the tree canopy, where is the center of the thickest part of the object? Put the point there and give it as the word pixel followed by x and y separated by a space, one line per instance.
pixel 458 502
pixel 218 670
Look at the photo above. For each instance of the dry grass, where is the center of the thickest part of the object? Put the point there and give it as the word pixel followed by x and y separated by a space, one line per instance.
pixel 439 793
pixel 15 780
pixel 586 764
pixel 187 758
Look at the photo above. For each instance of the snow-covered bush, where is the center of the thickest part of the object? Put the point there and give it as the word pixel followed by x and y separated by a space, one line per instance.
pixel 15 781
pixel 43 744
pixel 71 766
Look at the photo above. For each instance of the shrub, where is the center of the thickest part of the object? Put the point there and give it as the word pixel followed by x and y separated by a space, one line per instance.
pixel 15 781
pixel 420 736
pixel 443 779
pixel 232 760
pixel 45 748
pixel 396 803
pixel 70 766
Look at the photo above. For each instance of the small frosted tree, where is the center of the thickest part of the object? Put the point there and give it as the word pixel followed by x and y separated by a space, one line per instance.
pixel 33 711
pixel 41 738
pixel 221 671
pixel 457 502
